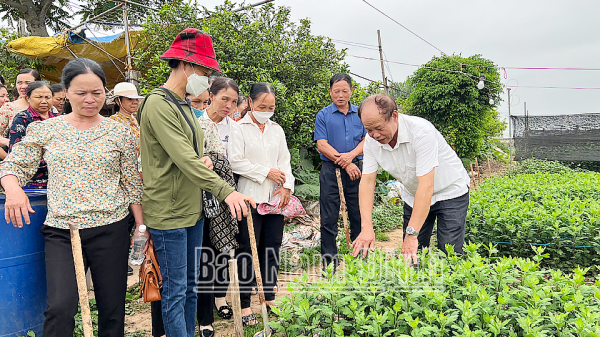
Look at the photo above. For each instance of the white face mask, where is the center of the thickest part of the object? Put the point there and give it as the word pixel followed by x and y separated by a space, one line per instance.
pixel 262 116
pixel 196 84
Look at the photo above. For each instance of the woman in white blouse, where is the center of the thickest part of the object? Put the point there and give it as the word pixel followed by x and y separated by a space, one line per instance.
pixel 259 154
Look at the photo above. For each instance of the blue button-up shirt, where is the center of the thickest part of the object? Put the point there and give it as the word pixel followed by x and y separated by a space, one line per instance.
pixel 342 132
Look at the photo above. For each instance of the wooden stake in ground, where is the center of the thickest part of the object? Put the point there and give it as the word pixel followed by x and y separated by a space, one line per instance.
pixel 473 176
pixel 489 166
pixel 259 283
pixel 234 292
pixel 84 302
pixel 478 171
pixel 343 206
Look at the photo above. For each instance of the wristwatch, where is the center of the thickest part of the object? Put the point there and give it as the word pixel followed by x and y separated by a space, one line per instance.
pixel 411 231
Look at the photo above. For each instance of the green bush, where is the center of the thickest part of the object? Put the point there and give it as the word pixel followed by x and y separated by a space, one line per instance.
pixel 560 210
pixel 387 217
pixel 451 101
pixel 471 296
pixel 532 166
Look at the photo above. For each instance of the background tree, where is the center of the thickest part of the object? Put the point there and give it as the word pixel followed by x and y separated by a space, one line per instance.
pixel 38 14
pixel 257 44
pixel 451 101
pixel 136 14
pixel 12 63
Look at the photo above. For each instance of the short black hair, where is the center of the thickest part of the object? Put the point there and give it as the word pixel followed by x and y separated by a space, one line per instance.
pixel 81 66
pixel 2 81
pixel 31 72
pixel 385 104
pixel 223 83
pixel 36 85
pixel 340 77
pixel 174 63
pixel 260 88
pixel 56 88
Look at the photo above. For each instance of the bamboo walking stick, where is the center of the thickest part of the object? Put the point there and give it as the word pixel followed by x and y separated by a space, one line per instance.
pixel 234 291
pixel 86 317
pixel 343 206
pixel 259 282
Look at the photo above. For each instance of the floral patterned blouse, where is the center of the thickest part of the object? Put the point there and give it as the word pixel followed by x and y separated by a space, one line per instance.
pixel 7 113
pixel 212 138
pixel 93 174
pixel 131 123
pixel 17 132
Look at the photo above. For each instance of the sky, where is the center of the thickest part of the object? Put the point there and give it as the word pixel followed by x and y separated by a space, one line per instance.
pixel 511 33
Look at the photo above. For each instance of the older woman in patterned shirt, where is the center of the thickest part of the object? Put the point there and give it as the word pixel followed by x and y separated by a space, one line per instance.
pixel 93 184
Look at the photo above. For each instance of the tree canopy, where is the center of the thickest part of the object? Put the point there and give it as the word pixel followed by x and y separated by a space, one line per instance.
pixel 444 91
pixel 39 15
pixel 256 44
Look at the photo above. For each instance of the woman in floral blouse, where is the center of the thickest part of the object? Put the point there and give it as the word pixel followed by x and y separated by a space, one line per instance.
pixel 9 110
pixel 39 96
pixel 92 185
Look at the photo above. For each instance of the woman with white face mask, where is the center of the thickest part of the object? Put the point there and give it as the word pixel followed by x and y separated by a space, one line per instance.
pixel 259 154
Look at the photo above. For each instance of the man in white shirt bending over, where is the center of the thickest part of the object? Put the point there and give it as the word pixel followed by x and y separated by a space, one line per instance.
pixel 434 182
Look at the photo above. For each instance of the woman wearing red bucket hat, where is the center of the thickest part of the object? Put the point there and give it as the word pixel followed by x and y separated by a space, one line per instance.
pixel 175 173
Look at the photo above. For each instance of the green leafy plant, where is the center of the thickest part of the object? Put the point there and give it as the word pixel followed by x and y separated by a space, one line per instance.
pixel 558 210
pixel 387 217
pixel 474 295
pixel 532 166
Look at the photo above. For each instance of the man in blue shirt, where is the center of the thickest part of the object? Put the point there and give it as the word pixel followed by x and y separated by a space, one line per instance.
pixel 340 136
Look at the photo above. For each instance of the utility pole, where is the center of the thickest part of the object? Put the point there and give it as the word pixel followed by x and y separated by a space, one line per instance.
pixel 385 84
pixel 510 135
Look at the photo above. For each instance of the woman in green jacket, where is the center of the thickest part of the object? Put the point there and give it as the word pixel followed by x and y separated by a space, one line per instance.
pixel 175 171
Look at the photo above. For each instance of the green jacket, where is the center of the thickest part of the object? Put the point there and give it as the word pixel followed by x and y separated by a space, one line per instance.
pixel 174 175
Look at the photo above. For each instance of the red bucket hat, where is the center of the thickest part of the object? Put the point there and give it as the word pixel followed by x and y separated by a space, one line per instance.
pixel 194 46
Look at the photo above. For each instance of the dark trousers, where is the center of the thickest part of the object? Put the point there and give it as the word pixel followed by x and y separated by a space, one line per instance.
pixel 213 279
pixel 268 231
pixel 451 218
pixel 105 252
pixel 330 209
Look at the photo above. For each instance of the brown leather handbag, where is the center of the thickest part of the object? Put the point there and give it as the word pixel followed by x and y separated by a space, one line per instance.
pixel 150 277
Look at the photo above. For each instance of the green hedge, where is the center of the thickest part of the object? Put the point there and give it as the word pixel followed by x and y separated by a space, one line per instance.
pixel 471 296
pixel 560 211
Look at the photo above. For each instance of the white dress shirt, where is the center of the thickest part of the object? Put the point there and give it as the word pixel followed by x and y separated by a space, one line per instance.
pixel 253 154
pixel 419 150
pixel 224 127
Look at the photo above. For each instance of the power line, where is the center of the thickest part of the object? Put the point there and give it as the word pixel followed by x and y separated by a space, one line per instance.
pixel 540 87
pixel 403 26
pixel 355 43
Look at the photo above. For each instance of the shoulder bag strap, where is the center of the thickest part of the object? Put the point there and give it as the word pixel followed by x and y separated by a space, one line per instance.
pixel 172 98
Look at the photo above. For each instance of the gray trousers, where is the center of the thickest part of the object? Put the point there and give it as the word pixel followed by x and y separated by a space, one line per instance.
pixel 451 218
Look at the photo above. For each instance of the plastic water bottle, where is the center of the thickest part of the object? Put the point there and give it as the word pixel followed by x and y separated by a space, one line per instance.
pixel 139 241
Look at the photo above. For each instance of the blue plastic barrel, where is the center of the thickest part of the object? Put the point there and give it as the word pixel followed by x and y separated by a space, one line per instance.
pixel 23 271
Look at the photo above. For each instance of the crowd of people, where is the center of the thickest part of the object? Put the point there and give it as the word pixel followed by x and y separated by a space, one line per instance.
pixel 185 161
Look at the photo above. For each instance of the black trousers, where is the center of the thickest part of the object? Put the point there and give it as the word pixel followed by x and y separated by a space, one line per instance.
pixel 268 231
pixel 451 218
pixel 213 278
pixel 105 252
pixel 330 209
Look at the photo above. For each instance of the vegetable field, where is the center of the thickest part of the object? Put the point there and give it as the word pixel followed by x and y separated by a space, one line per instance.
pixel 559 211
pixel 479 295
